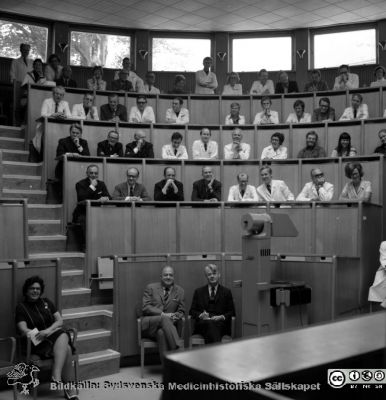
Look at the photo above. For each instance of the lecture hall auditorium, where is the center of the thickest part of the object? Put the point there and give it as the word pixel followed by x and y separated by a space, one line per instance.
pixel 300 288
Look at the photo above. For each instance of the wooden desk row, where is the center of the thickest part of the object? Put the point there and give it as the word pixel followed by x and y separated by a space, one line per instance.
pixel 212 109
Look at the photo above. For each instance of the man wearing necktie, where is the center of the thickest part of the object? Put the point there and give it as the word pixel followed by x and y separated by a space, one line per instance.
pixel 163 306
pixel 242 191
pixel 212 307
pixel 131 190
pixel 208 188
pixel 272 189
pixel 205 149
pixel 358 109
pixel 169 189
pixel 113 111
pixel 175 150
pixel 111 147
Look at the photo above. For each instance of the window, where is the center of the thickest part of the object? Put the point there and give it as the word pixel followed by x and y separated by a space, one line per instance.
pixel 90 49
pixel 254 54
pixel 170 54
pixel 352 47
pixel 12 34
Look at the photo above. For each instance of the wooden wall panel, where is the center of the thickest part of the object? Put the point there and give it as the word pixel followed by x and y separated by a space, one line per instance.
pixel 12 231
pixel 205 110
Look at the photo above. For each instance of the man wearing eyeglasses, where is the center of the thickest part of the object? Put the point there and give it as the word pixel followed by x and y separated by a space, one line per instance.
pixel 86 110
pixel 131 190
pixel 142 113
pixel 318 189
pixel 139 147
pixel 177 114
pixel 111 147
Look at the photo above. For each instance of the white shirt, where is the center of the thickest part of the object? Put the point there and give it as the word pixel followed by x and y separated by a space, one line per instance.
pixel 309 192
pixel 352 83
pixel 79 113
pixel 279 192
pixel 152 90
pixel 271 154
pixel 262 119
pixel 48 108
pixel 205 78
pixel 146 117
pixel 243 154
pixel 258 88
pixel 229 121
pixel 236 90
pixel 292 118
pixel 378 83
pixel 235 194
pixel 182 118
pixel 168 152
pixel 362 113
pixel 199 152
pixel 19 69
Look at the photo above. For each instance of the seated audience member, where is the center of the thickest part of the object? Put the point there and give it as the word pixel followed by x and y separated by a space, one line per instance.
pixel 272 189
pixel 233 86
pixel 377 291
pixel 312 150
pixel 177 114
pixel 344 148
pixel 358 110
pixel 96 82
pixel 345 79
pixel 72 145
pixel 142 113
pixel 53 70
pixel 111 147
pixel 22 65
pixel 285 85
pixel 122 84
pixel 382 137
pixel 89 188
pixel 316 84
pixel 163 306
pixel 263 85
pixel 207 189
pixel 148 87
pixel 86 110
pixel 55 106
pixel 237 150
pixel 65 80
pixel 242 191
pixel 275 151
pixel 38 313
pixel 139 148
pixel 175 150
pixel 325 112
pixel 212 307
pixel 205 149
pixel 113 111
pixel 318 189
pixel 36 76
pixel 379 73
pixel 299 116
pixel 131 190
pixel 169 189
pixel 135 80
pixel 206 80
pixel 267 116
pixel 357 188
pixel 179 85
pixel 234 118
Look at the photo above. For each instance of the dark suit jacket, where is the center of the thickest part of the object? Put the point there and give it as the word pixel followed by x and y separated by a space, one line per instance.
pixel 105 150
pixel 71 83
pixel 170 195
pixel 121 192
pixel 153 303
pixel 292 87
pixel 107 114
pixel 201 192
pixel 146 151
pixel 117 85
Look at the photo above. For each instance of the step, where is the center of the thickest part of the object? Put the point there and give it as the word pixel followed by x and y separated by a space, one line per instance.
pixel 69 260
pixel 89 318
pixel 15 155
pixel 44 227
pixel 12 143
pixel 76 297
pixel 98 363
pixel 93 340
pixel 47 244
pixel 25 182
pixel 22 168
pixel 45 211
pixel 12 131
pixel 72 278
pixel 33 196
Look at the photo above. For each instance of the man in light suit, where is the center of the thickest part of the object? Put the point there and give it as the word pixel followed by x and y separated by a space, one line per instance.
pixel 272 189
pixel 242 191
pixel 318 189
pixel 205 149
pixel 163 305
pixel 131 190
pixel 86 110
pixel 212 307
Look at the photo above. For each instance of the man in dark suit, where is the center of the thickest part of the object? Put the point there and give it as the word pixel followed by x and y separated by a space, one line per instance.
pixel 208 188
pixel 169 189
pixel 131 190
pixel 113 111
pixel 110 147
pixel 212 307
pixel 65 80
pixel 285 85
pixel 163 305
pixel 139 148
pixel 122 84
